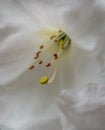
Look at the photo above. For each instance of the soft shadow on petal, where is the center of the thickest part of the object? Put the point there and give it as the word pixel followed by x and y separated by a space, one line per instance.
pixel 42 13
pixel 27 101
pixel 17 42
pixel 52 123
pixel 16 54
pixel 78 68
pixel 101 61
pixel 20 21
pixel 84 21
pixel 84 108
pixel 84 66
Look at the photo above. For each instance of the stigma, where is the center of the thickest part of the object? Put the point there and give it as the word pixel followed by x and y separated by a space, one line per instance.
pixel 49 54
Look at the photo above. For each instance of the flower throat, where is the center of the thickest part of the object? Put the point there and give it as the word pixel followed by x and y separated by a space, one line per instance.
pixel 62 42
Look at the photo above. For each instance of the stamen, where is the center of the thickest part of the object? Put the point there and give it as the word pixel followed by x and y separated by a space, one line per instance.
pixel 54 74
pixel 61 36
pixel 31 67
pixel 45 80
pixel 67 41
pixel 62 41
pixel 37 55
pixel 42 46
pixel 40 62
pixel 55 56
pixel 38 52
pixel 48 65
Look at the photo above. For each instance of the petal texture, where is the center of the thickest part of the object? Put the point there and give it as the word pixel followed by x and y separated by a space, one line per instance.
pixel 16 55
pixel 84 21
pixel 16 42
pixel 26 105
pixel 84 108
pixel 19 24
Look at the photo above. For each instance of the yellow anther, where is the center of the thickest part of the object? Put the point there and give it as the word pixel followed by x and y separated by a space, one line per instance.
pixel 44 80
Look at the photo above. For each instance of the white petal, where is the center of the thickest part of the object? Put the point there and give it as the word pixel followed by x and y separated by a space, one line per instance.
pixel 27 105
pixel 79 68
pixel 101 61
pixel 37 11
pixel 18 26
pixel 83 109
pixel 16 54
pixel 84 21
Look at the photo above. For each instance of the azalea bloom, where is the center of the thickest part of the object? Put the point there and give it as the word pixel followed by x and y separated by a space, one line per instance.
pixel 47 47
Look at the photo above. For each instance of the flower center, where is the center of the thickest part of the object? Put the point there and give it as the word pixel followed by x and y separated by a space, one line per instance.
pixel 57 44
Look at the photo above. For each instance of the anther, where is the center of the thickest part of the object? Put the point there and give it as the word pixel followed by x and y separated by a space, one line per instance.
pixel 31 67
pixel 55 56
pixel 38 52
pixel 42 46
pixel 37 55
pixel 62 40
pixel 52 37
pixel 48 65
pixel 40 62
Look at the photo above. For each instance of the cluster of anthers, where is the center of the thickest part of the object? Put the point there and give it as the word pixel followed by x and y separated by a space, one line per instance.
pixel 62 41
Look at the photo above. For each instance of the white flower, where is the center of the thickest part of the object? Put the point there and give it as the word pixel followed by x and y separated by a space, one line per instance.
pixel 28 27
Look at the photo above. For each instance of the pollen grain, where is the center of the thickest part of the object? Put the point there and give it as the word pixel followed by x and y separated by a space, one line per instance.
pixel 31 67
pixel 48 65
pixel 42 46
pixel 55 56
pixel 40 62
